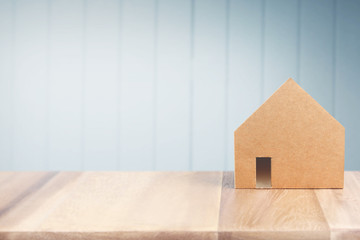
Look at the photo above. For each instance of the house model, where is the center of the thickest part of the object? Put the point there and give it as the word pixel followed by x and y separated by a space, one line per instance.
pixel 290 142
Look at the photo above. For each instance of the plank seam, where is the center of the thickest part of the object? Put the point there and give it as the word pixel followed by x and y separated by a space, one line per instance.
pixel 30 190
pixel 220 202
pixel 322 211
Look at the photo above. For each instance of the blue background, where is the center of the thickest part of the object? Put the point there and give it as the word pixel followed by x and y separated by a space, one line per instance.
pixel 162 84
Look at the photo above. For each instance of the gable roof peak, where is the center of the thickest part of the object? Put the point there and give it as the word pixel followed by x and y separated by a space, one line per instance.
pixel 290 81
pixel 290 90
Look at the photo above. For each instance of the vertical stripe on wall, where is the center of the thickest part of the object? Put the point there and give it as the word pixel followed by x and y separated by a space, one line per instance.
pixel 6 81
pixel 244 97
pixel 138 85
pixel 163 84
pixel 280 44
pixel 347 96
pixel 209 84
pixel 101 85
pixel 316 50
pixel 30 85
pixel 65 84
pixel 173 85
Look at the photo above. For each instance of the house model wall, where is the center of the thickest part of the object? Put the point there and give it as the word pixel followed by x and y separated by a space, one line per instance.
pixel 290 142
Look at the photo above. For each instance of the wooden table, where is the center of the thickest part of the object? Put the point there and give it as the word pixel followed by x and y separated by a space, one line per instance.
pixel 170 205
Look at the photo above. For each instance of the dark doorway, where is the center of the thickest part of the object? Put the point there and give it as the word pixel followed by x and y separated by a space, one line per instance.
pixel 263 172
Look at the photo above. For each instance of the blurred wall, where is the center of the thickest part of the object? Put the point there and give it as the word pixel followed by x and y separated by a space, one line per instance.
pixel 162 84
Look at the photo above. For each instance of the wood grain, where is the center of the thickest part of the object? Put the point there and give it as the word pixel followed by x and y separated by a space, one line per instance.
pixel 269 213
pixel 170 205
pixel 341 207
pixel 126 205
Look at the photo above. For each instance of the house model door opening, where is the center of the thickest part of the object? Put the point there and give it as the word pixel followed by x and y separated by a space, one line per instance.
pixel 263 172
pixel 307 143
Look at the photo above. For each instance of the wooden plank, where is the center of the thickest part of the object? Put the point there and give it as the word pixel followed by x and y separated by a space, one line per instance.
pixel 341 207
pixel 30 85
pixel 102 27
pixel 280 44
pixel 31 196
pixel 244 85
pixel 170 205
pixel 16 190
pixel 173 85
pixel 209 85
pixel 66 39
pixel 269 214
pixel 6 82
pixel 137 85
pixel 129 205
pixel 347 77
pixel 111 235
pixel 4 176
pixel 316 50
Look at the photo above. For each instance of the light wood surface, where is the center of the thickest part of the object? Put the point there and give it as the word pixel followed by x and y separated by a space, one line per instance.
pixel 170 205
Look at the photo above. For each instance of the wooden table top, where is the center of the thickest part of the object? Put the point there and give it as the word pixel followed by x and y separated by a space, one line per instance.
pixel 170 205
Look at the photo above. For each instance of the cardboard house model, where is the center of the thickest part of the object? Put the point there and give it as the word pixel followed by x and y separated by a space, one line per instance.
pixel 290 142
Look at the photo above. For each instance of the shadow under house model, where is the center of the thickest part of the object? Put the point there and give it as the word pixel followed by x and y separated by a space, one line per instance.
pixel 290 142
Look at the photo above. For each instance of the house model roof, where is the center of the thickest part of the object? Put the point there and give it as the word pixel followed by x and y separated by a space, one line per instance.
pixel 301 142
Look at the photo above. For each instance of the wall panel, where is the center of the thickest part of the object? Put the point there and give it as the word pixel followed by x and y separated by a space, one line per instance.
pixel 66 76
pixel 102 32
pixel 137 133
pixel 347 84
pixel 280 44
pixel 173 82
pixel 245 66
pixel 316 50
pixel 163 84
pixel 6 82
pixel 30 85
pixel 209 85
